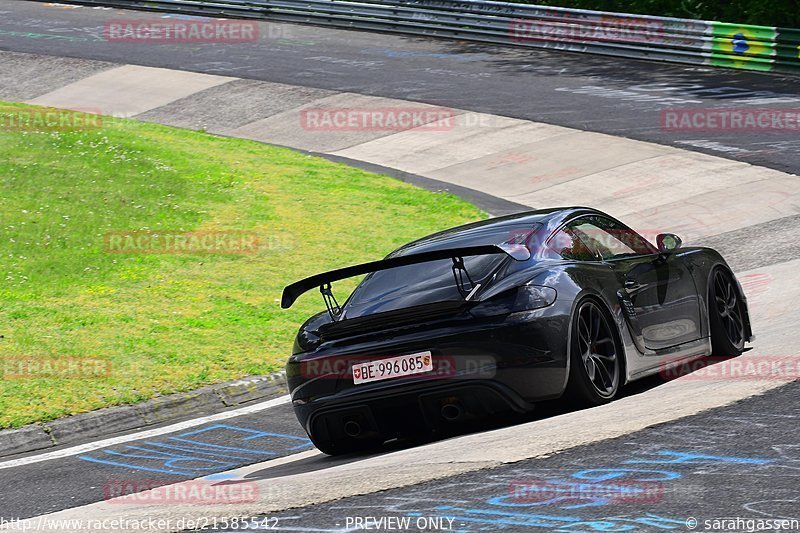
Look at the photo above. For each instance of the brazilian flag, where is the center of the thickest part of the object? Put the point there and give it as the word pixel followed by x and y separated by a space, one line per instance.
pixel 743 46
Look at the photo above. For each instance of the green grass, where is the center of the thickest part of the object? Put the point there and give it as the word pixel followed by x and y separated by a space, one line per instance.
pixel 174 322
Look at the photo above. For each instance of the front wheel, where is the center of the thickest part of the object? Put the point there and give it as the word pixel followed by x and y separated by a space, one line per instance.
pixel 595 366
pixel 725 315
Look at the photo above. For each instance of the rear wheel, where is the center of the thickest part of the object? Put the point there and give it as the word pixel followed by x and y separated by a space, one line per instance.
pixel 595 357
pixel 725 313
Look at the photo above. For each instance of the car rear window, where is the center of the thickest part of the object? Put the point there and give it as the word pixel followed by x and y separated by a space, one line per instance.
pixel 437 276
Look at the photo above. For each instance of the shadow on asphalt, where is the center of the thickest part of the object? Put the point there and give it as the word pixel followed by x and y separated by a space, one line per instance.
pixel 543 411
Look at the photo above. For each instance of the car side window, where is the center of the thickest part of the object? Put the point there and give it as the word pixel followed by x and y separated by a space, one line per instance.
pixel 592 238
pixel 570 244
pixel 618 241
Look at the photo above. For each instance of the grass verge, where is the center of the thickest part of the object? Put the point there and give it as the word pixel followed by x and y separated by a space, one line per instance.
pixel 157 323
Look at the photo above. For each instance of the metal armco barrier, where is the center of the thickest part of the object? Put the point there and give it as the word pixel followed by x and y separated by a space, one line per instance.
pixel 696 42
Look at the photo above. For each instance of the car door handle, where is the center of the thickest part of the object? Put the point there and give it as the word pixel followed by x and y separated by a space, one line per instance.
pixel 631 284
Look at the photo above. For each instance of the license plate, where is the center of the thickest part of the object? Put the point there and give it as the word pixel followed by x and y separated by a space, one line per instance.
pixel 395 367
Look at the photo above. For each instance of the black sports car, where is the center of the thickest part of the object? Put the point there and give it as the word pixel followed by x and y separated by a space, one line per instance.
pixel 499 314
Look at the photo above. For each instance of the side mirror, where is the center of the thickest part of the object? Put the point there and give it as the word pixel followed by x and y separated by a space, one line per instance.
pixel 668 242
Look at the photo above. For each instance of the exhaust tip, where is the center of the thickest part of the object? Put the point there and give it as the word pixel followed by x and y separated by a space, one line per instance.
pixel 451 411
pixel 352 428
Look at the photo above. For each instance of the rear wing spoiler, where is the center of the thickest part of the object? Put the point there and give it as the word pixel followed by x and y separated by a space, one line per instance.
pixel 290 294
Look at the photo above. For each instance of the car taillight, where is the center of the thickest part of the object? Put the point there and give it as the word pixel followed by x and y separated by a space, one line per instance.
pixel 524 298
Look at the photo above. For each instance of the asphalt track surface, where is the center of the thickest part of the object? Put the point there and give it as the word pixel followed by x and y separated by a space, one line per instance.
pixel 92 476
pixel 593 93
pixel 740 461
pixel 195 452
pixel 753 471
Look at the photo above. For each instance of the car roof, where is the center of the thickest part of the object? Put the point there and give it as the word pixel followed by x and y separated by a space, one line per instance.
pixel 476 229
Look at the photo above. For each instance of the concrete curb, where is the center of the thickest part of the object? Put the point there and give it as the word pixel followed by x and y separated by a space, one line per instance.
pixel 493 205
pixel 111 420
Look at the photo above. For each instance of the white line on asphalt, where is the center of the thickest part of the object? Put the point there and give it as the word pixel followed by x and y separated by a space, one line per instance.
pixel 91 446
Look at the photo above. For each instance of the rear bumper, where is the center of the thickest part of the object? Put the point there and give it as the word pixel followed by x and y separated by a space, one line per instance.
pixel 411 411
pixel 489 365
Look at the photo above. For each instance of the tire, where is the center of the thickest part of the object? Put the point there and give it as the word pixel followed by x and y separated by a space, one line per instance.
pixel 725 315
pixel 596 362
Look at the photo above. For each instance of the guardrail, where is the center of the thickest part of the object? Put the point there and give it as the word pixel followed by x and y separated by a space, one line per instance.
pixel 761 48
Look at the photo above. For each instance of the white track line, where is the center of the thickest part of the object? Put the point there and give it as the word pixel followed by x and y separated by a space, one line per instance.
pixel 88 447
